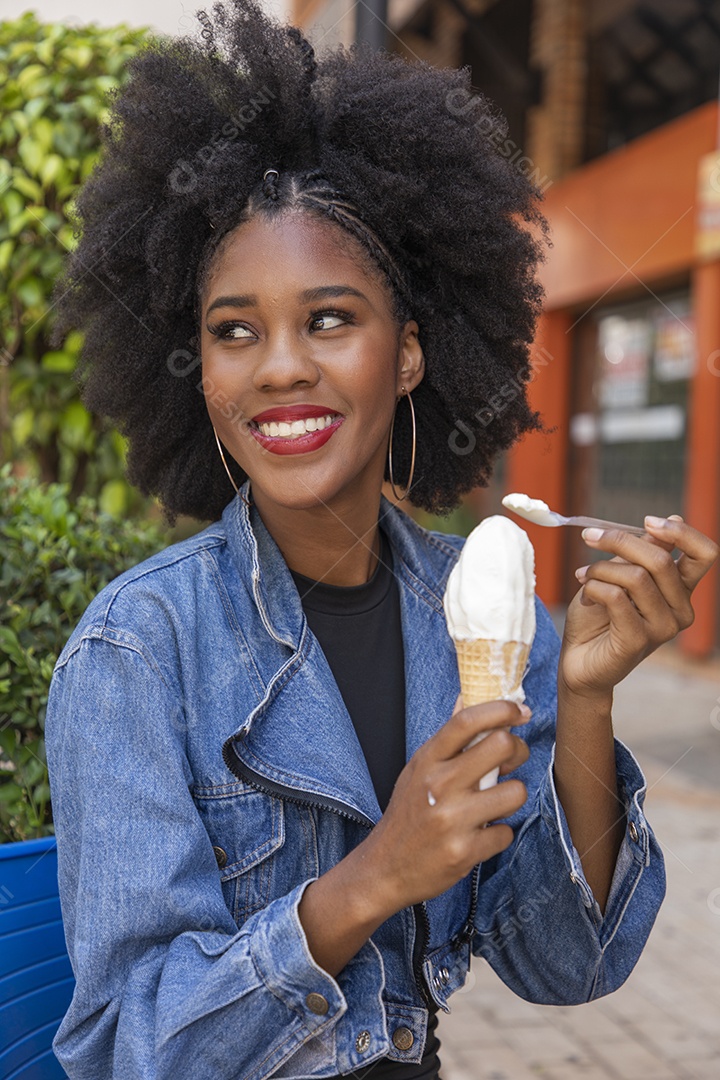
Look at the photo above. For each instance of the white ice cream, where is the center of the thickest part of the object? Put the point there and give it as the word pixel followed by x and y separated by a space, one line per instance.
pixel 531 509
pixel 490 593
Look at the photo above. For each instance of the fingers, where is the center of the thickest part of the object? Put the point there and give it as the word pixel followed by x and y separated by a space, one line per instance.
pixel 455 778
pixel 465 724
pixel 698 552
pixel 640 560
pixel 457 813
pixel 631 594
pixel 500 749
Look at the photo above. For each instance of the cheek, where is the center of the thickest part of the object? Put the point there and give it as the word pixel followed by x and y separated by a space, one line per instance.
pixel 371 370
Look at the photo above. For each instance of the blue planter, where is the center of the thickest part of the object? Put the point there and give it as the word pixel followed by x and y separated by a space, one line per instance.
pixel 36 980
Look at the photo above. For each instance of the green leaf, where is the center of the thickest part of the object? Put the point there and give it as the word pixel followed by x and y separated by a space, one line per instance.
pixel 31 293
pixel 75 425
pixel 42 131
pixel 114 498
pixel 27 187
pixel 10 644
pixel 6 249
pixel 53 171
pixel 79 55
pixel 35 107
pixel 58 361
pixel 22 426
pixel 30 75
pixel 31 154
pixel 10 792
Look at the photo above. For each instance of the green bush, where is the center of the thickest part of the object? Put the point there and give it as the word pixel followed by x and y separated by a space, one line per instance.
pixel 55 555
pixel 54 85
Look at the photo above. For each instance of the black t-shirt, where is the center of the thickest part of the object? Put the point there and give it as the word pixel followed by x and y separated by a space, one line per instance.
pixel 359 630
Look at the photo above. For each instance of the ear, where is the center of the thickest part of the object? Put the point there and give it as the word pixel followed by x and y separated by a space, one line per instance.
pixel 411 362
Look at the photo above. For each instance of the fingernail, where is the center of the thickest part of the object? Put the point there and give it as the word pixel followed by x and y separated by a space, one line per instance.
pixel 525 711
pixel 581 572
pixel 592 534
pixel 655 522
pixel 675 517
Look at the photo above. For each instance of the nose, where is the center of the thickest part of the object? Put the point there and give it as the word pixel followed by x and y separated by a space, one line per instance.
pixel 283 364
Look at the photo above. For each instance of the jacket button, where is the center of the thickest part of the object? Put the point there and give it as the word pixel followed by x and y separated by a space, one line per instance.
pixel 632 829
pixel 317 1004
pixel 362 1042
pixel 220 856
pixel 403 1038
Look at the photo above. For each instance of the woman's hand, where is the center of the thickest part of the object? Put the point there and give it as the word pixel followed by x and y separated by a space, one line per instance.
pixel 420 848
pixel 629 605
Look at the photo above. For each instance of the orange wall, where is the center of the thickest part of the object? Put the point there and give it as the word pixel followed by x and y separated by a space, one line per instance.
pixel 623 224
pixel 702 498
pixel 628 217
pixel 538 464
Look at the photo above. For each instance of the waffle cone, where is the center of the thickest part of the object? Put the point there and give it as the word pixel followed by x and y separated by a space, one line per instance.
pixel 490 669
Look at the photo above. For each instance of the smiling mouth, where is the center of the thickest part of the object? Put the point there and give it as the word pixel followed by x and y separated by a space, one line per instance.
pixel 295 429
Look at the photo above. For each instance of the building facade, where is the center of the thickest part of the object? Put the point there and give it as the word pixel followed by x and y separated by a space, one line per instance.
pixel 612 109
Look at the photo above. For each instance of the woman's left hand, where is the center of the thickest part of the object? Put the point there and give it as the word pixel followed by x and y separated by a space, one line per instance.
pixel 631 604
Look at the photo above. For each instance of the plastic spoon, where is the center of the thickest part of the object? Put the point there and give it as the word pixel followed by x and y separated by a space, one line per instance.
pixel 539 513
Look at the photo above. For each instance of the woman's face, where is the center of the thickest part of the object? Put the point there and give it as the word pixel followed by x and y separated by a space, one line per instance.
pixel 302 360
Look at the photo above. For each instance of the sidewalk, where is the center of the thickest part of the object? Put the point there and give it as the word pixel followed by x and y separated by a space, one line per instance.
pixel 664 1023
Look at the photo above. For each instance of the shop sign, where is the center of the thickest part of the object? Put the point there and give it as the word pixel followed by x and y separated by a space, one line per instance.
pixel 674 355
pixel 707 225
pixel 625 346
pixel 662 423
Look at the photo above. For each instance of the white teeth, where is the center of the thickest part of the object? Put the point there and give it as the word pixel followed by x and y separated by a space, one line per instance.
pixel 283 429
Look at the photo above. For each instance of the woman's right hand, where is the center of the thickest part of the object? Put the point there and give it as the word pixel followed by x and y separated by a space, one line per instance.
pixel 419 850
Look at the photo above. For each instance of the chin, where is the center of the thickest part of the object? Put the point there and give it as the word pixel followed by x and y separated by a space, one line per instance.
pixel 294 492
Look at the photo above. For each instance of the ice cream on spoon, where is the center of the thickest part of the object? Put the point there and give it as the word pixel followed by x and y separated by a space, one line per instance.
pixel 539 513
pixel 490 610
pixel 531 509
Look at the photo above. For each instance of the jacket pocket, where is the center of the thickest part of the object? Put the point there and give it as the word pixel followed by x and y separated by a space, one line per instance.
pixel 246 829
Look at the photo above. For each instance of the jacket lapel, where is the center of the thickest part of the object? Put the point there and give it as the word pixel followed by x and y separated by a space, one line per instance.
pixel 299 736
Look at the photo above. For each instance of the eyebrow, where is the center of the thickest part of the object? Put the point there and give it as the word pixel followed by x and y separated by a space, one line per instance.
pixel 322 292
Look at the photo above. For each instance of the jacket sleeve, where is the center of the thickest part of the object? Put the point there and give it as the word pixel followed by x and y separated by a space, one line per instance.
pixel 537 921
pixel 163 975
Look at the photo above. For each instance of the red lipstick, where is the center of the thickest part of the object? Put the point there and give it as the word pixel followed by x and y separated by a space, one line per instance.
pixel 295 444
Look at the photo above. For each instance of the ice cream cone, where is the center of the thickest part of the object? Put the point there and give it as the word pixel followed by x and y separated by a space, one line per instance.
pixel 489 605
pixel 490 669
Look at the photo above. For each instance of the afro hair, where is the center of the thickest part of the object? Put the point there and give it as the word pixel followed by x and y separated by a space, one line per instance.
pixel 452 225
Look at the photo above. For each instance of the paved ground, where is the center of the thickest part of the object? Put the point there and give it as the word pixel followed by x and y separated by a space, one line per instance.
pixel 664 1023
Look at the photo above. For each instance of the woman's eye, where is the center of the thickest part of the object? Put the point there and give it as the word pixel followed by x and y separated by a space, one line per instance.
pixel 231 331
pixel 329 320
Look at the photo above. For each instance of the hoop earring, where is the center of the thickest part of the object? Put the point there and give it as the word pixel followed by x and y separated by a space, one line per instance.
pixel 237 490
pixel 414 445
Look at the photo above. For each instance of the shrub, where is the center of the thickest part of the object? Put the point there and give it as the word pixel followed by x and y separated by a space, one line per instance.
pixel 55 555
pixel 54 82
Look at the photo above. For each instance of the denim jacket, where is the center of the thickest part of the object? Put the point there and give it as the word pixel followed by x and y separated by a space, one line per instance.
pixel 204 770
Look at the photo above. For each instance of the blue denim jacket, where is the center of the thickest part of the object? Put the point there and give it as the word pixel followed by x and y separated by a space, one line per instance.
pixel 204 770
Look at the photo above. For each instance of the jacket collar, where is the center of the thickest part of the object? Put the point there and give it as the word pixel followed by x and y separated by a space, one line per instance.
pixel 299 735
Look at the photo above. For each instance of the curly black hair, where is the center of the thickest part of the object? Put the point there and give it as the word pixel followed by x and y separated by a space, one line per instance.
pixel 401 155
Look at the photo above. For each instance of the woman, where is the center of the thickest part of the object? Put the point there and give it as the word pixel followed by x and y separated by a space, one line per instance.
pixel 274 859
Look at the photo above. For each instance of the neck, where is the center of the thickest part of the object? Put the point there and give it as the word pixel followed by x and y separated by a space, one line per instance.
pixel 338 544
